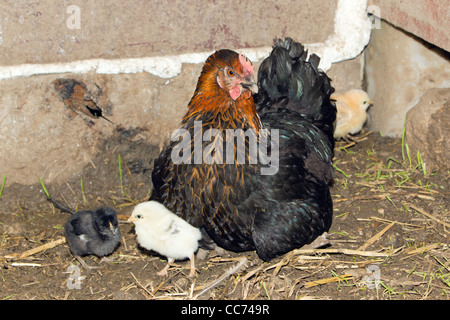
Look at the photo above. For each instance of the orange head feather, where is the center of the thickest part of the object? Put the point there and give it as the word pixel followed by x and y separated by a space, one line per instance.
pixel 224 88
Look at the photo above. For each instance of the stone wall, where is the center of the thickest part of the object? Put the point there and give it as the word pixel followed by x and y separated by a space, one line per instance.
pixel 426 19
pixel 399 69
pixel 40 136
pixel 44 40
pixel 47 31
pixel 406 56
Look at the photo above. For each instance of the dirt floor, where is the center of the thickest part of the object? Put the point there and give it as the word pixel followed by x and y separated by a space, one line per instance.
pixel 389 238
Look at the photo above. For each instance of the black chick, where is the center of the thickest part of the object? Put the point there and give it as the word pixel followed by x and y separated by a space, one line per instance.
pixel 92 232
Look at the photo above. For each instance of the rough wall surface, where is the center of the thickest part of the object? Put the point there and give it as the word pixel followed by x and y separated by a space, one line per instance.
pixel 427 19
pixel 40 136
pixel 428 129
pixel 47 31
pixel 399 69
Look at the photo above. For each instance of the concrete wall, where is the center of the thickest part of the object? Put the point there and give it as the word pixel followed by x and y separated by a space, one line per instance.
pixel 48 31
pixel 40 136
pixel 399 65
pixel 426 19
pixel 96 42
pixel 399 69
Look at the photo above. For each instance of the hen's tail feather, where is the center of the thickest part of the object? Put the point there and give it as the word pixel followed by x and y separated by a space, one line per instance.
pixel 287 79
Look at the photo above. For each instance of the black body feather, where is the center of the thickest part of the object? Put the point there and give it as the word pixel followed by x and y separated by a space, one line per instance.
pixel 234 204
pixel 287 79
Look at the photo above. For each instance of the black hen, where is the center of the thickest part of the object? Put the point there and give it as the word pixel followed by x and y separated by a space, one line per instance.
pixel 275 201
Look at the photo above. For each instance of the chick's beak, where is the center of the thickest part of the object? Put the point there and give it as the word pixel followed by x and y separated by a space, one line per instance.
pixel 131 219
pixel 250 84
pixel 111 227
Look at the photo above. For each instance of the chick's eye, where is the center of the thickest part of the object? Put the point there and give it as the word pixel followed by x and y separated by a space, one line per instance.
pixel 230 72
pixel 138 216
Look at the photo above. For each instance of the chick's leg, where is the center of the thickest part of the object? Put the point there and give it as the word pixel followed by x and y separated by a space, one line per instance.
pixel 107 259
pixel 163 272
pixel 84 264
pixel 192 273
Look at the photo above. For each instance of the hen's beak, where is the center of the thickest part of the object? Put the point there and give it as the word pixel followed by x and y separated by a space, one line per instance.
pixel 250 84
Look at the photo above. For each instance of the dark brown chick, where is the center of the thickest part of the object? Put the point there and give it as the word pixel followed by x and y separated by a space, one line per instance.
pixel 77 98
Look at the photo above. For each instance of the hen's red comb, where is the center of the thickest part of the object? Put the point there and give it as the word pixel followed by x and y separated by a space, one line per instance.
pixel 247 65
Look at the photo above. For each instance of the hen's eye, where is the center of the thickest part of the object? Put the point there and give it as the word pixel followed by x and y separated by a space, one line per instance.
pixel 230 72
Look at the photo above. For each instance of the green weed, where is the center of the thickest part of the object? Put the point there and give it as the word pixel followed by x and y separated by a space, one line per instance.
pixel 124 193
pixel 44 188
pixel 340 171
pixel 82 192
pixel 3 185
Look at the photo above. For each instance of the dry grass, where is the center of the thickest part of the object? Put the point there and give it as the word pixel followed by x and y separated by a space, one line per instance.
pixel 389 240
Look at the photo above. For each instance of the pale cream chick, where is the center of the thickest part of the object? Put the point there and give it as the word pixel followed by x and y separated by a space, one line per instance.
pixel 160 230
pixel 351 112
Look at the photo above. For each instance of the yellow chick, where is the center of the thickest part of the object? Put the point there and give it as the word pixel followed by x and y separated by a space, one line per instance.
pixel 351 112
pixel 158 229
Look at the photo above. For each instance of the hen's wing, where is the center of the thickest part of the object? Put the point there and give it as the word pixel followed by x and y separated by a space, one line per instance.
pixel 293 206
pixel 294 97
